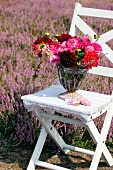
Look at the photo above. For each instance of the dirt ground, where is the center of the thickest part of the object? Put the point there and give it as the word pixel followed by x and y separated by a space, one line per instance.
pixel 18 159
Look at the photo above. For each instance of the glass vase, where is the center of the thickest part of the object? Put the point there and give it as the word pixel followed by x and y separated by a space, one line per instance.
pixel 71 79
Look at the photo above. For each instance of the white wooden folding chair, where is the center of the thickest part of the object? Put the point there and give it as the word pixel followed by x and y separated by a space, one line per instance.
pixel 47 100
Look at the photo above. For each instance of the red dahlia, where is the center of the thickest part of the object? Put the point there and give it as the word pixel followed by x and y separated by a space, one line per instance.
pixel 91 59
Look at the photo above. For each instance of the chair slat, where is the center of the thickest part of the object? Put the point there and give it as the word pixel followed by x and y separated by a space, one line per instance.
pixel 90 12
pixel 108 52
pixel 73 28
pixel 84 27
pixel 106 37
pixel 103 71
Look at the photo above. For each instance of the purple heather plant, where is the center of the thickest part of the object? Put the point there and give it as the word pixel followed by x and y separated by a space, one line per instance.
pixel 21 22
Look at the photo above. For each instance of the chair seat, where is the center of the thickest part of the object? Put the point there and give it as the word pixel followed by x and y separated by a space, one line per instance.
pixel 48 98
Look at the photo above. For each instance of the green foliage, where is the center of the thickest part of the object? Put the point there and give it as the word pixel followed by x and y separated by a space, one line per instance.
pixel 93 26
pixel 6 124
pixel 35 76
pixel 0 77
pixel 10 124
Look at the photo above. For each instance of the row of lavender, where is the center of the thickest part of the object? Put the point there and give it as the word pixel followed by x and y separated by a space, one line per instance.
pixel 20 73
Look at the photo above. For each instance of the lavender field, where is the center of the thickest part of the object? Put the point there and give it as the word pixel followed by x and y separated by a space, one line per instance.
pixel 21 22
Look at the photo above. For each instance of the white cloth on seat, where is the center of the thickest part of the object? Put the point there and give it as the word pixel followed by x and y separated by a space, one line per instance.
pixel 48 98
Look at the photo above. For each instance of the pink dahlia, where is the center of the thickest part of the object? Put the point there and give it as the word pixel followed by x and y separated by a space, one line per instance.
pixel 97 47
pixel 54 59
pixel 86 41
pixel 73 43
pixel 89 48
pixel 54 47
pixel 49 56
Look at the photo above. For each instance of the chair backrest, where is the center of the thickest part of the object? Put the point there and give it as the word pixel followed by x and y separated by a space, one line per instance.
pixel 78 23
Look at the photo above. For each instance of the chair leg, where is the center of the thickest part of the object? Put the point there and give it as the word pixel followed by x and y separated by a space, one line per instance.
pixel 50 129
pixel 37 150
pixel 100 140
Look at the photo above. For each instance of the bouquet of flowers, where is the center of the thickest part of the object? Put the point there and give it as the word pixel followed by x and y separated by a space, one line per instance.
pixel 73 56
pixel 68 51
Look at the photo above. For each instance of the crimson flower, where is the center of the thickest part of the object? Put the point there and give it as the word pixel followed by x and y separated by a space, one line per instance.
pixel 63 37
pixel 40 43
pixel 68 59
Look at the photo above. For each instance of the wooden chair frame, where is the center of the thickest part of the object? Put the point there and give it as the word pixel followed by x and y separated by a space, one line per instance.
pixel 35 103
